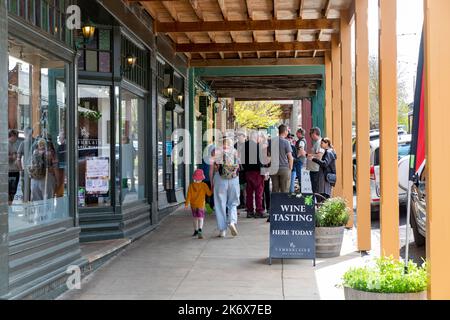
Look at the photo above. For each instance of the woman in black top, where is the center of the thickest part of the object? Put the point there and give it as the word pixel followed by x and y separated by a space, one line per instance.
pixel 327 168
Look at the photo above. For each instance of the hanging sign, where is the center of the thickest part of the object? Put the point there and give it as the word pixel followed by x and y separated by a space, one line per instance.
pixel 292 227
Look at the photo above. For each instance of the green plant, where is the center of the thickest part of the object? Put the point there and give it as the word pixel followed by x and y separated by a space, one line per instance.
pixel 388 276
pixel 91 115
pixel 332 213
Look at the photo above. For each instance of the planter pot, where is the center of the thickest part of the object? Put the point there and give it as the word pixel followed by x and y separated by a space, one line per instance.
pixel 352 294
pixel 329 242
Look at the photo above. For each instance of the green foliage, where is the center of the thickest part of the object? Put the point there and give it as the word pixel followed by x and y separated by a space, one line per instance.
pixel 333 213
pixel 91 115
pixel 257 115
pixel 388 276
pixel 374 93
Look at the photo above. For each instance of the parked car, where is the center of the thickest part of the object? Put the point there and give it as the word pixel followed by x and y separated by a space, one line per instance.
pixel 404 145
pixel 419 208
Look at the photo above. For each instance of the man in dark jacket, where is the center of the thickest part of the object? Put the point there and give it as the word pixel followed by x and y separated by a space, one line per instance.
pixel 253 177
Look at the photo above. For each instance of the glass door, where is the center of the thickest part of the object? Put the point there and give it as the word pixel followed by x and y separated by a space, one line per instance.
pixel 94 146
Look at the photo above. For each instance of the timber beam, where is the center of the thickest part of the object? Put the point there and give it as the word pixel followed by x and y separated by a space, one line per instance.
pixel 246 25
pixel 257 62
pixel 254 46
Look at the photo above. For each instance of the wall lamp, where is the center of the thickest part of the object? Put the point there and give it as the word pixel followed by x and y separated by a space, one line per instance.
pixel 88 31
pixel 128 64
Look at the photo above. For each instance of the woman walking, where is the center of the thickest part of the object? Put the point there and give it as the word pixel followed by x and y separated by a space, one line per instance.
pixel 225 181
pixel 327 171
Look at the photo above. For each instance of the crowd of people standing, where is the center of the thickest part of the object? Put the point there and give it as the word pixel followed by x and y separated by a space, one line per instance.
pixel 243 170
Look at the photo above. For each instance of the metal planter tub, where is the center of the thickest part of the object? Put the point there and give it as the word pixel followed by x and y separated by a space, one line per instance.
pixel 352 294
pixel 329 242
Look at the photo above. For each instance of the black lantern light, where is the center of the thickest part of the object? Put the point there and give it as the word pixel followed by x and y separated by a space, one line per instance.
pixel 129 63
pixel 88 31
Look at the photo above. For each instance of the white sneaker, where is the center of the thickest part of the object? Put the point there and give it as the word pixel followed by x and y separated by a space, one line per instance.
pixel 222 234
pixel 233 230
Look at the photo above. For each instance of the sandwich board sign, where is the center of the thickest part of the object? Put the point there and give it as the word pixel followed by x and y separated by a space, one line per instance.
pixel 292 227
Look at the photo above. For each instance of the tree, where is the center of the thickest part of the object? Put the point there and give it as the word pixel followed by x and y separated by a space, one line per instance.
pixel 374 92
pixel 257 115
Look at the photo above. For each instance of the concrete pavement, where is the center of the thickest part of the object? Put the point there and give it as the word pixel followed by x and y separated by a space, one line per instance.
pixel 169 264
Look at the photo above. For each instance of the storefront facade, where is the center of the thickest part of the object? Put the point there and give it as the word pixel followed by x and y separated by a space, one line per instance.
pixel 88 129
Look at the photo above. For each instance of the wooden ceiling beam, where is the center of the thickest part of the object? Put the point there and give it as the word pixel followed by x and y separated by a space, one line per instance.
pixel 252 47
pixel 257 62
pixel 166 6
pixel 249 25
pixel 326 9
pixel 266 94
pixel 300 16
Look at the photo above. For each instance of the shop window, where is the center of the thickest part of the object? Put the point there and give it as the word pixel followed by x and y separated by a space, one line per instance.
pixel 132 148
pixel 37 118
pixel 94 146
pixel 179 167
pixel 160 147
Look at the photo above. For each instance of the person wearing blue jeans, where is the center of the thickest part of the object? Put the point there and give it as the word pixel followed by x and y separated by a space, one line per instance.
pixel 224 175
pixel 299 159
pixel 296 173
pixel 226 196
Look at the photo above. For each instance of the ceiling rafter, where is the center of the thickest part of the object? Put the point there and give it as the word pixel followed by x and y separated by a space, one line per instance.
pixel 300 16
pixel 175 18
pixel 252 46
pixel 223 10
pixel 198 12
pixel 257 62
pixel 251 17
pixel 249 25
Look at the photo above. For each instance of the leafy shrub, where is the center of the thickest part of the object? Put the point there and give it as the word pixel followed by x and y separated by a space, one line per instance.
pixel 388 276
pixel 333 213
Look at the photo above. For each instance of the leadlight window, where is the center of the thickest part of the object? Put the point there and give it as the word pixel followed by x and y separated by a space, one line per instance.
pixel 138 74
pixel 49 15
pixel 96 57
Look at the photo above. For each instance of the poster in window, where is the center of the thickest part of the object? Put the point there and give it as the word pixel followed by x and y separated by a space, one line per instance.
pixel 97 175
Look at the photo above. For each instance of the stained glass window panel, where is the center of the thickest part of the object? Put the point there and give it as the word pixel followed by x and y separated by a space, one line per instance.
pixel 91 61
pixel 105 62
pixel 105 40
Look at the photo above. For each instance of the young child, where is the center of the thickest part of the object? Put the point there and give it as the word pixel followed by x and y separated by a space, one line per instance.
pixel 197 192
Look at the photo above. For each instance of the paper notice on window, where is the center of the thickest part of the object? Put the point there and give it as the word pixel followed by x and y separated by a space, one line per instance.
pixel 97 175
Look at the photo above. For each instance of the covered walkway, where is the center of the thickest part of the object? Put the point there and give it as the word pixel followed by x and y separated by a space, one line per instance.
pixel 168 264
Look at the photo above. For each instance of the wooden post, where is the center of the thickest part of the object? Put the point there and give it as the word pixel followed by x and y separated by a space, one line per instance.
pixel 347 152
pixel 328 96
pixel 362 125
pixel 437 115
pixel 389 207
pixel 337 111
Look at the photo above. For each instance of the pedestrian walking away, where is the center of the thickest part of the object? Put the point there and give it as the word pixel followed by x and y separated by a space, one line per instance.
pixel 254 177
pixel 196 195
pixel 225 179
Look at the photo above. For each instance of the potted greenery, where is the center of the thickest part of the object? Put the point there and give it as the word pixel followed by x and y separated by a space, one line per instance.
pixel 386 279
pixel 331 219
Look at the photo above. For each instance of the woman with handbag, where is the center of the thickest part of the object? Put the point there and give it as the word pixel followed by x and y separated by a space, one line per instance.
pixel 224 178
pixel 327 172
